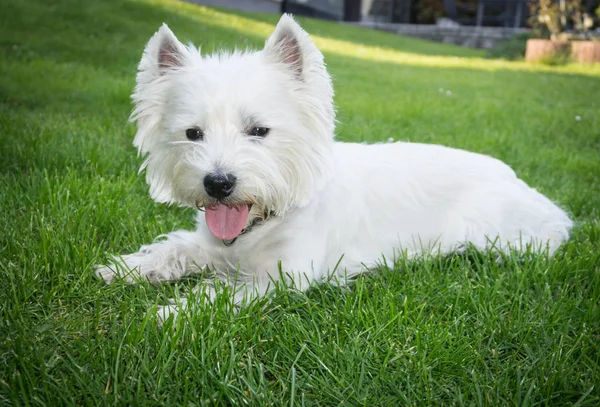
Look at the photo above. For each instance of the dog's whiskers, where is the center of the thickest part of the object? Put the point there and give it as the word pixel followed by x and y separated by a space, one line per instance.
pixel 200 205
pixel 255 203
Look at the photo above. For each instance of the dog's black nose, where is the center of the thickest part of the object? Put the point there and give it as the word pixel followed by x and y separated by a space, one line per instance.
pixel 219 185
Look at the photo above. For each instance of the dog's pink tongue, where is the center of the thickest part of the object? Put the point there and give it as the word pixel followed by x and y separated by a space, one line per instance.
pixel 226 222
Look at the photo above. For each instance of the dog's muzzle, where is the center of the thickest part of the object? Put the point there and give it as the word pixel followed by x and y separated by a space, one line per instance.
pixel 219 185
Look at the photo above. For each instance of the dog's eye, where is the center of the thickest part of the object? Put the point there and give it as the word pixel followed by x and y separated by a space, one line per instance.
pixel 258 131
pixel 194 134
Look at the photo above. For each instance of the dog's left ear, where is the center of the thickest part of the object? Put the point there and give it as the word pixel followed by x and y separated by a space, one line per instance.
pixel 291 46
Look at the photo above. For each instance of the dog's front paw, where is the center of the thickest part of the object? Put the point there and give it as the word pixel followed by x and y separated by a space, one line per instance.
pixel 146 264
pixel 130 268
pixel 106 273
pixel 115 271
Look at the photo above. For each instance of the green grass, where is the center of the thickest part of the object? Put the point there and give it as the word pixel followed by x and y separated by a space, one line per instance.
pixel 462 330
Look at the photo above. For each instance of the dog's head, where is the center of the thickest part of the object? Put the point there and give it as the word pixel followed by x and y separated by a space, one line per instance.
pixel 233 132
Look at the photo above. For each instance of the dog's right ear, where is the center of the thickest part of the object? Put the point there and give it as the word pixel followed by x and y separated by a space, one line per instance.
pixel 163 53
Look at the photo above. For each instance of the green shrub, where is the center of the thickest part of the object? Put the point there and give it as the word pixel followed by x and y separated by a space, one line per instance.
pixel 513 49
pixel 556 59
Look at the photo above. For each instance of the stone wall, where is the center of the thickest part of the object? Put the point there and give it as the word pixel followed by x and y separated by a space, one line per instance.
pixel 467 36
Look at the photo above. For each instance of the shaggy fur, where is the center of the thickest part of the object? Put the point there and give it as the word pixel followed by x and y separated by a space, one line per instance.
pixel 311 200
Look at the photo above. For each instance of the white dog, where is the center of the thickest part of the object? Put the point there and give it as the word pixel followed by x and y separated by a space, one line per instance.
pixel 247 138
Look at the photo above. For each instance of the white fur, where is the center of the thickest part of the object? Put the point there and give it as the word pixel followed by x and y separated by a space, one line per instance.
pixel 331 200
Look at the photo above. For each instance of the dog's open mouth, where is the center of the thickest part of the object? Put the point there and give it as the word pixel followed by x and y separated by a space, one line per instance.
pixel 226 222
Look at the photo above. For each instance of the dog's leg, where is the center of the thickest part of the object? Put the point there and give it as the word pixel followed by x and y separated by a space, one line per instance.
pixel 243 286
pixel 177 306
pixel 240 289
pixel 179 254
pixel 240 286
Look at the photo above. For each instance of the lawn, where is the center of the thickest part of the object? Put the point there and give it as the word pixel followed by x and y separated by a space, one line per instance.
pixel 460 330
